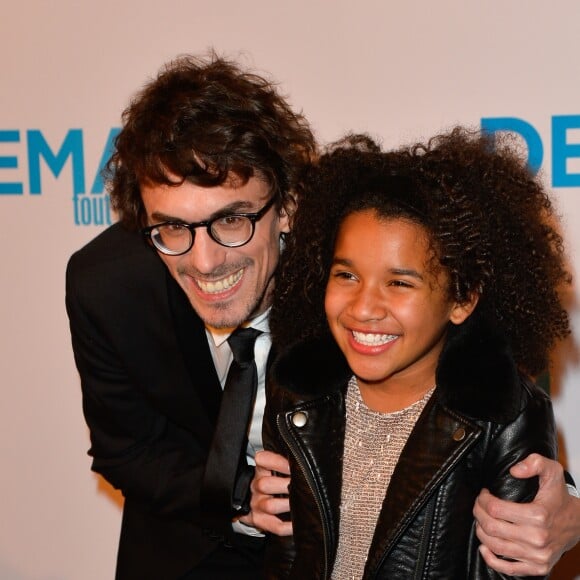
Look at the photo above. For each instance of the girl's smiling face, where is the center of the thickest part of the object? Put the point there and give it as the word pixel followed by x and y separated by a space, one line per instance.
pixel 388 307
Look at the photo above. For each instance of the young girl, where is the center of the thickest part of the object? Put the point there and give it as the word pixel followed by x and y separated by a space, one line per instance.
pixel 418 297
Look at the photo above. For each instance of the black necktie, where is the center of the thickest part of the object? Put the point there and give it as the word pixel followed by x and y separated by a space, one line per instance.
pixel 225 490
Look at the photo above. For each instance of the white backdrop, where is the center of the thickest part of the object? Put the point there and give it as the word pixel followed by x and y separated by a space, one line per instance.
pixel 399 70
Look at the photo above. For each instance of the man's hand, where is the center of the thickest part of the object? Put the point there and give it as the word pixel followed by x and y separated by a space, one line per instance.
pixel 270 494
pixel 535 534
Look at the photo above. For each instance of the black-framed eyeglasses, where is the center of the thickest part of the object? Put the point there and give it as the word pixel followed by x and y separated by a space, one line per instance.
pixel 232 230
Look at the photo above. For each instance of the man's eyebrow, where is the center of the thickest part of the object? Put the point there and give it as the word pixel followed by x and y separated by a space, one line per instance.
pixel 158 217
pixel 232 208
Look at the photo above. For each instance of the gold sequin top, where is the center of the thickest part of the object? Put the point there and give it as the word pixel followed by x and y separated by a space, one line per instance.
pixel 372 445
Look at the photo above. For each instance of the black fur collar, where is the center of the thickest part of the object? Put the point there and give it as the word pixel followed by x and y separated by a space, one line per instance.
pixel 476 375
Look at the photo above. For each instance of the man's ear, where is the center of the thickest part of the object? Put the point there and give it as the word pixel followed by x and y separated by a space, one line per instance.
pixel 287 213
pixel 462 311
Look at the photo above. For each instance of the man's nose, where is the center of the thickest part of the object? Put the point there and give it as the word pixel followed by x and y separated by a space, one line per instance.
pixel 206 254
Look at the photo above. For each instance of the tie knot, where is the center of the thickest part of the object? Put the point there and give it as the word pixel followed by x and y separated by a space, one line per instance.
pixel 242 344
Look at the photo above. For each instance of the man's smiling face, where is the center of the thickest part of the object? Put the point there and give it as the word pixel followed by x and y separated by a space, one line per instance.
pixel 226 286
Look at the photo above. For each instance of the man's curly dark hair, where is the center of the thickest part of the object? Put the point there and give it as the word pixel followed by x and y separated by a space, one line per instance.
pixel 491 223
pixel 204 119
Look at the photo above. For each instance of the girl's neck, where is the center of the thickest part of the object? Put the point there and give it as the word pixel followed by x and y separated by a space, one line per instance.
pixel 391 398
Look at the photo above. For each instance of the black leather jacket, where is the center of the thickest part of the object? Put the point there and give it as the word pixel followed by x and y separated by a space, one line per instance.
pixel 482 418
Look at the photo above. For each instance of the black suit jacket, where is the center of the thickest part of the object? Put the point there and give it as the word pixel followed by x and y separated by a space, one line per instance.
pixel 150 398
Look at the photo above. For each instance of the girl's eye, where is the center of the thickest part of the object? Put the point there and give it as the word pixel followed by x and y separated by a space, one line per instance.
pixel 342 275
pixel 400 284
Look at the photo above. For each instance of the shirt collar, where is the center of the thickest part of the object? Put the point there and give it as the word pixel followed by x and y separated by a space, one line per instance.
pixel 220 335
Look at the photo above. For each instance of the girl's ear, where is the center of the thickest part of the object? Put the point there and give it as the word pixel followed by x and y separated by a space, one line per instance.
pixel 460 312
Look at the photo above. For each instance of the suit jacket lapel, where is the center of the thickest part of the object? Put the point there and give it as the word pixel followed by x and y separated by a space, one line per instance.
pixel 197 358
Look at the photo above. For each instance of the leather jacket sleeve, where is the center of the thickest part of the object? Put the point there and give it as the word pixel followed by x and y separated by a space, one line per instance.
pixel 533 431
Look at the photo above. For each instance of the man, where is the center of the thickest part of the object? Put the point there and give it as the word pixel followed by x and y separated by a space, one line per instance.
pixel 205 169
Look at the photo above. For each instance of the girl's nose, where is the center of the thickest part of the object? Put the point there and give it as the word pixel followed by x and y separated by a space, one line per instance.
pixel 369 304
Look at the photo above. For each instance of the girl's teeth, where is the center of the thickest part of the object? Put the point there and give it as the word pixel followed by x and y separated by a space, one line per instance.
pixel 373 339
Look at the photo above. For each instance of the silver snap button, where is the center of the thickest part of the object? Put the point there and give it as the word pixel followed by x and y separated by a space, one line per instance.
pixel 299 419
pixel 459 435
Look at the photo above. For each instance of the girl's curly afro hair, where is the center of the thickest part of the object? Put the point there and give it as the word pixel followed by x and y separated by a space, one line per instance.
pixel 491 222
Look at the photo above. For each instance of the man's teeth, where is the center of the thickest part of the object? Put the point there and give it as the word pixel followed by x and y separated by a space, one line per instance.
pixel 373 339
pixel 221 285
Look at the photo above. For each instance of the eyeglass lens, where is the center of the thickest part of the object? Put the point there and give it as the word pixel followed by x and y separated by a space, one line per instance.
pixel 227 231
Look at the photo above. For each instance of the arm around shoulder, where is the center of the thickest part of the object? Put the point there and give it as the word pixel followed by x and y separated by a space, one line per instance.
pixel 533 535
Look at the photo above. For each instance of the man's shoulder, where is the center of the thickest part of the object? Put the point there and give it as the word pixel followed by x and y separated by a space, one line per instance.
pixel 116 262
pixel 115 248
pixel 116 242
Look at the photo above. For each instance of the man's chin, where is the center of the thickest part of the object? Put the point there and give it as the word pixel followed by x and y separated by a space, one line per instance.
pixel 221 317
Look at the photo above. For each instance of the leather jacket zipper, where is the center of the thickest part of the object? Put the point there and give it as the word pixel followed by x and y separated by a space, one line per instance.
pixel 294 449
pixel 430 511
